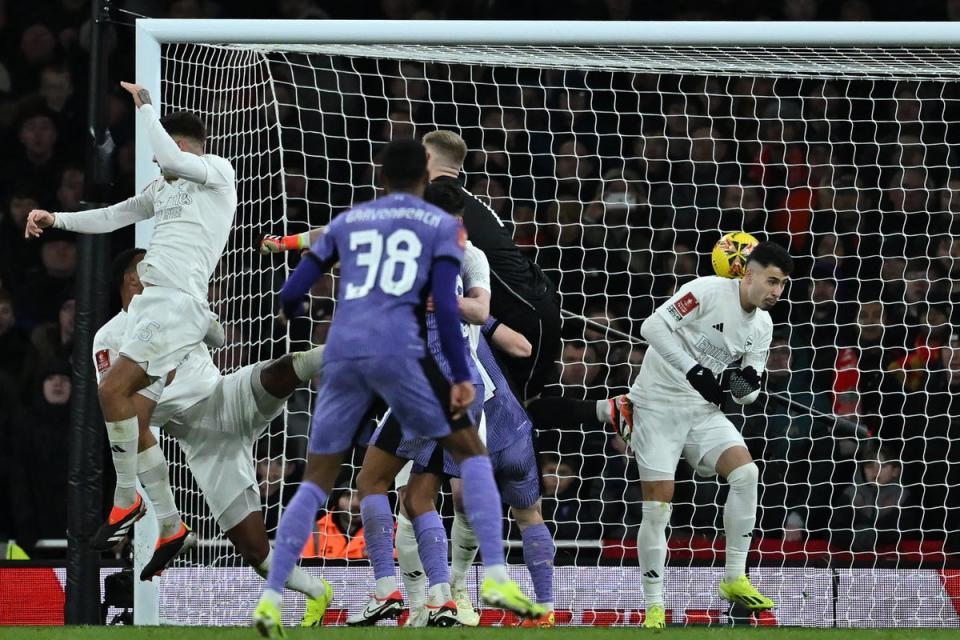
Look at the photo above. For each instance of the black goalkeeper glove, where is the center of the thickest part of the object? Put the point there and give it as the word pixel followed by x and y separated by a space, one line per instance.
pixel 706 384
pixel 745 385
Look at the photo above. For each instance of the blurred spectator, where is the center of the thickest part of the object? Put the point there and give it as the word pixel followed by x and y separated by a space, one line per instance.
pixel 14 343
pixel 616 492
pixel 868 512
pixel 565 509
pixel 36 166
pixel 40 294
pixel 339 533
pixel 54 340
pixel 581 372
pixel 39 472
pixel 70 189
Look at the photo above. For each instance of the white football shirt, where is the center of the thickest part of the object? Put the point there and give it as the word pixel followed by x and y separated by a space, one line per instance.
pixel 475 273
pixel 192 217
pixel 706 318
pixel 193 381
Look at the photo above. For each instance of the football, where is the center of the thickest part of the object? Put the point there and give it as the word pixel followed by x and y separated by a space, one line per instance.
pixel 729 255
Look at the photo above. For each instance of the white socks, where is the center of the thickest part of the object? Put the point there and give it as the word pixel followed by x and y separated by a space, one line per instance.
pixel 123 436
pixel 739 518
pixel 439 594
pixel 153 475
pixel 411 568
pixel 298 580
pixel 463 550
pixel 386 586
pixel 307 364
pixel 652 549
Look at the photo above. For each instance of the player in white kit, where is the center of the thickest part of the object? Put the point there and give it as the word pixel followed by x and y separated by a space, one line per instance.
pixel 708 325
pixel 193 205
pixel 216 420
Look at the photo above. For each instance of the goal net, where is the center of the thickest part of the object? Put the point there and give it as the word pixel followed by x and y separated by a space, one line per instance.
pixel 619 167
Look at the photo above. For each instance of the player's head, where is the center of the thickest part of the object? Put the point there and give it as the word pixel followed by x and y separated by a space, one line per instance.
pixel 404 167
pixel 186 129
pixel 124 278
pixel 447 195
pixel 446 152
pixel 768 268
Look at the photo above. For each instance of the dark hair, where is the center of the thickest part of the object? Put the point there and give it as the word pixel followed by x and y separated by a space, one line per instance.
pixel 446 194
pixel 771 254
pixel 186 125
pixel 121 266
pixel 404 164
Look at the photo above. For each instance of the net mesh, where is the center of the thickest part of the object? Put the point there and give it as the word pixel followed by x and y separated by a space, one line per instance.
pixel 620 167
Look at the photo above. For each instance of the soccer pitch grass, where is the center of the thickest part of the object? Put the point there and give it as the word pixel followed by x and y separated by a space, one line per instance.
pixel 503 633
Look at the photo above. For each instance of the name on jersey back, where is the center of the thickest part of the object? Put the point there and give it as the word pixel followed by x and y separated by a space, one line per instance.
pixel 395 213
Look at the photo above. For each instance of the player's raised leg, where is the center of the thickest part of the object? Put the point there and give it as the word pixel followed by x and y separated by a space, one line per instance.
pixel 739 519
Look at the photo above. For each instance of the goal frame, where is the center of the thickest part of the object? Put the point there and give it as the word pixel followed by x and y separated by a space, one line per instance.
pixel 150 34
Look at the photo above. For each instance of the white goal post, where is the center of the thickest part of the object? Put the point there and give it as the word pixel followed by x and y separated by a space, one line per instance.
pixel 558 56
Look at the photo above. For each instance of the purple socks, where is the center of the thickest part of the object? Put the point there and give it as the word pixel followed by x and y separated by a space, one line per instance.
pixel 378 530
pixel 538 552
pixel 481 501
pixel 432 544
pixel 296 524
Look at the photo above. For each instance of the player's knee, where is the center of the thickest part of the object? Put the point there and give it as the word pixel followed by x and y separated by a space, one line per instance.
pixel 744 476
pixel 656 513
pixel 528 516
pixel 371 483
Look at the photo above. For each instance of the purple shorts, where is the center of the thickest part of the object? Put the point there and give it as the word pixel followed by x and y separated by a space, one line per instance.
pixel 414 388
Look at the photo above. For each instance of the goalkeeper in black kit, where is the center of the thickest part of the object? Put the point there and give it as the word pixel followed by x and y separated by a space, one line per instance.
pixel 708 325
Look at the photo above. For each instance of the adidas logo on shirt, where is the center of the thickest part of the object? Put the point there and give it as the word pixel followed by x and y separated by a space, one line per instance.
pixel 719 327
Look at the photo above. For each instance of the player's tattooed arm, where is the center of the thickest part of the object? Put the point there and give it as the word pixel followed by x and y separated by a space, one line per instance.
pixel 140 95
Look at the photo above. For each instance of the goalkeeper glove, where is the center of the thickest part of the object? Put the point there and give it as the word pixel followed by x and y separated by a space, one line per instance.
pixel 278 244
pixel 703 380
pixel 745 385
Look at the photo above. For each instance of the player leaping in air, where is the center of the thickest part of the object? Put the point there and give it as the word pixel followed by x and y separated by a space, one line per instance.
pixel 393 251
pixel 193 205
pixel 216 420
pixel 709 324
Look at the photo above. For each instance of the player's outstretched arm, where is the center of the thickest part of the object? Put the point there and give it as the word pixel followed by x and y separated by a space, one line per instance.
pixel 103 220
pixel 173 162
pixel 511 342
pixel 297 242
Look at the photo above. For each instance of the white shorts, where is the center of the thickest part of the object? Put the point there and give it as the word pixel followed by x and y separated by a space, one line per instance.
pixel 164 325
pixel 217 437
pixel 668 427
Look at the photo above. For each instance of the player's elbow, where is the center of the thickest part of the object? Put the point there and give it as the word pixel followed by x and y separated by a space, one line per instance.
pixel 649 326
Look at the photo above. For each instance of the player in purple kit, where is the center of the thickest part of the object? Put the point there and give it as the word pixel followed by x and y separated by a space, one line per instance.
pixel 393 252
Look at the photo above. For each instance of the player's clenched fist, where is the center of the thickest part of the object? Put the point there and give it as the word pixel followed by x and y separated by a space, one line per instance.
pixel 37 221
pixel 703 380
pixel 462 395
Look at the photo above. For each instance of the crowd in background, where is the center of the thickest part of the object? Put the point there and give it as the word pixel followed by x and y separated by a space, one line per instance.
pixel 618 185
